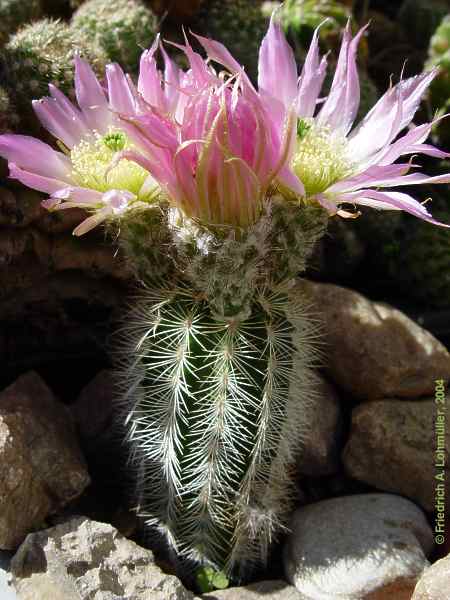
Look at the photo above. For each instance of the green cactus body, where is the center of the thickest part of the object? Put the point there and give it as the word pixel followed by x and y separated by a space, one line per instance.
pixel 218 379
pixel 239 24
pixel 217 406
pixel 301 17
pixel 42 53
pixel 120 29
pixel 439 56
pixel 15 13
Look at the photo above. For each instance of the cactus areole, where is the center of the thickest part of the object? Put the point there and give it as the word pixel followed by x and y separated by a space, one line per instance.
pixel 218 192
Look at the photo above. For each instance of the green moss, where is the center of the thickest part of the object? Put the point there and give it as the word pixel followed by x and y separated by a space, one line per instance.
pixel 121 29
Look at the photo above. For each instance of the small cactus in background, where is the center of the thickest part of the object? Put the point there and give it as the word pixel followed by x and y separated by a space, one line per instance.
pixel 301 17
pixel 121 29
pixel 423 265
pixel 439 56
pixel 39 54
pixel 419 18
pixel 239 24
pixel 15 13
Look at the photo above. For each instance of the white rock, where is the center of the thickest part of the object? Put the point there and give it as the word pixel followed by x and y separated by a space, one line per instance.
pixel 358 547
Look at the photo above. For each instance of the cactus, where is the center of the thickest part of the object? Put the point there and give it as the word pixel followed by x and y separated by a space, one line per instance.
pixel 419 18
pixel 239 24
pixel 301 17
pixel 417 259
pixel 14 13
pixel 121 29
pixel 40 54
pixel 439 56
pixel 218 381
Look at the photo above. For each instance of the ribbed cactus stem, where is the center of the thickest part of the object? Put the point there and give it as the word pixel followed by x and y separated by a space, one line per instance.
pixel 214 408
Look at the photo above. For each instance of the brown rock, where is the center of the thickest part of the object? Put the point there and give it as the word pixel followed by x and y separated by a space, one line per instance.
pixel 373 350
pixel 93 409
pixel 320 453
pixel 19 208
pixel 435 582
pixel 392 447
pixel 41 467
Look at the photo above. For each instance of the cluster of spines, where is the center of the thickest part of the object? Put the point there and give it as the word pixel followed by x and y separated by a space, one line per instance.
pixel 119 29
pixel 213 414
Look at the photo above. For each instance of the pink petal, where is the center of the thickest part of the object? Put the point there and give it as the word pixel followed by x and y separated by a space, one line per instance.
pixel 311 80
pixel 217 52
pixel 37 182
pixel 277 69
pixel 92 221
pixel 172 77
pixel 91 97
pixel 149 82
pixel 341 106
pixel 391 200
pixel 78 194
pixel 33 155
pixel 121 98
pixel 64 124
pixel 390 115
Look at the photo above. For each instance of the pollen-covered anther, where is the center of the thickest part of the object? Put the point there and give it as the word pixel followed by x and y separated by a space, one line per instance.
pixel 91 160
pixel 321 157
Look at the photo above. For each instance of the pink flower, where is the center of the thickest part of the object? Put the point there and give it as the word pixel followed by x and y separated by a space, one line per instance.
pixel 211 142
pixel 337 162
pixel 89 135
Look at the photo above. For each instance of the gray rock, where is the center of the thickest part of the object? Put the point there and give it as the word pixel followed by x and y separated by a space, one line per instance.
pixel 6 591
pixel 435 582
pixel 41 466
pixel 320 453
pixel 358 547
pixel 265 590
pixel 391 447
pixel 373 350
pixel 83 559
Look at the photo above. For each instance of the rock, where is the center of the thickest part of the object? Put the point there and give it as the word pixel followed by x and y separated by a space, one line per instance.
pixel 41 466
pixel 392 447
pixel 264 590
pixel 82 559
pixel 367 546
pixel 320 454
pixel 435 582
pixel 6 591
pixel 94 407
pixel 374 351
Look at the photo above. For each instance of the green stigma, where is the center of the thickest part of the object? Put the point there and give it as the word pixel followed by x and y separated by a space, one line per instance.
pixel 115 141
pixel 321 158
pixel 302 128
pixel 91 161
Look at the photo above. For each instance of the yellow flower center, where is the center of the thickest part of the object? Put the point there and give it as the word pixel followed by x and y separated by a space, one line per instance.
pixel 321 157
pixel 91 159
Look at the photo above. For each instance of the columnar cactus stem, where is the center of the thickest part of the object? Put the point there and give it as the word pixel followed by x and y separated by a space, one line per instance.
pixel 214 412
